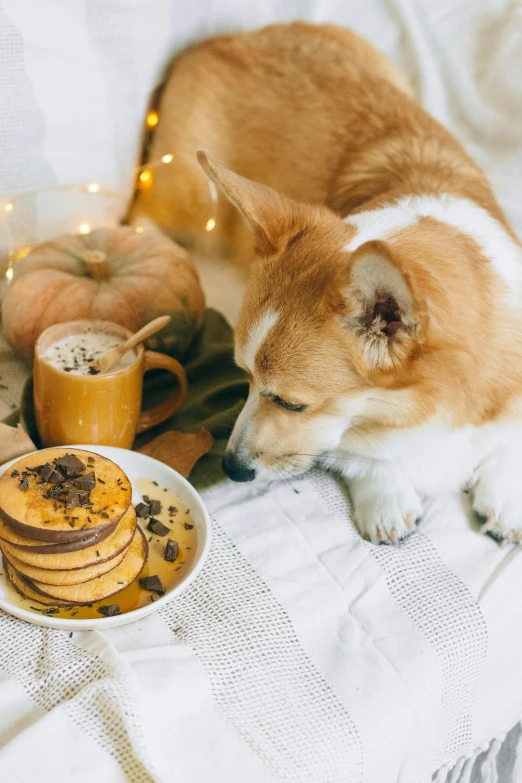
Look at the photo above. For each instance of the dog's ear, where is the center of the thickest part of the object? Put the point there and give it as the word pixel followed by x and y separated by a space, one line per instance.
pixel 268 213
pixel 383 309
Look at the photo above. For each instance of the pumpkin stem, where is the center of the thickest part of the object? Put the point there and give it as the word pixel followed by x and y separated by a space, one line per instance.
pixel 98 264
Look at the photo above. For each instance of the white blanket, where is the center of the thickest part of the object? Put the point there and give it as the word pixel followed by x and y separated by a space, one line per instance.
pixel 301 653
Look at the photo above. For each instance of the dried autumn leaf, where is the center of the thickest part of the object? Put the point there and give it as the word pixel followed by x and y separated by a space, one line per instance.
pixel 179 450
pixel 14 441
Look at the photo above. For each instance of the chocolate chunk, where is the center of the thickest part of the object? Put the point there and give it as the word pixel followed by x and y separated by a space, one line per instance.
pixel 46 471
pixel 142 510
pixel 153 584
pixel 23 485
pixel 172 511
pixel 171 550
pixel 147 499
pixel 188 527
pixel 155 526
pixel 109 611
pixel 105 515
pixel 155 507
pixel 86 482
pixel 72 499
pixel 70 464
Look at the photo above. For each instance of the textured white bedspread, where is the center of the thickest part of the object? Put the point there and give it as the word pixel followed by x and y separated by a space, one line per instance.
pixel 302 653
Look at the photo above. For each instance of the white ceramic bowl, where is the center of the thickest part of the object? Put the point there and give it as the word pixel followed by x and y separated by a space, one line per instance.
pixel 135 466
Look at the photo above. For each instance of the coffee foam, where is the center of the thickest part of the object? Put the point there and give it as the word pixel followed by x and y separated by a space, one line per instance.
pixel 79 353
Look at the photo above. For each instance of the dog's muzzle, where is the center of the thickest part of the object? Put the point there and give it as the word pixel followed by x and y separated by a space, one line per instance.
pixel 235 469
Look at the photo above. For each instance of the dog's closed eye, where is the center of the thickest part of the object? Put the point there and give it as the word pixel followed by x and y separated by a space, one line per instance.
pixel 289 406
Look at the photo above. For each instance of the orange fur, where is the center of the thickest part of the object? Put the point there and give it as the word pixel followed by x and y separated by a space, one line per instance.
pixel 318 115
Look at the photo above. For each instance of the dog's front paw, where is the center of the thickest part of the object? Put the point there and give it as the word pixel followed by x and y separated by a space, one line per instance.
pixel 386 511
pixel 498 499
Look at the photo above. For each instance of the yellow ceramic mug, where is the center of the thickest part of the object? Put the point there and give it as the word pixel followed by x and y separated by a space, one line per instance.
pixel 101 409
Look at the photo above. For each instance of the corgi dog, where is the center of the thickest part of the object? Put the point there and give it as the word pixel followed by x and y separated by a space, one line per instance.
pixel 381 325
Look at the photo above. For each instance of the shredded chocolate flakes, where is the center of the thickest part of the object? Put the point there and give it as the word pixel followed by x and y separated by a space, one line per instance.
pixel 188 527
pixel 23 485
pixel 105 515
pixel 15 473
pixel 101 481
pixel 172 511
pixel 157 527
pixel 153 584
pixel 171 550
pixel 109 611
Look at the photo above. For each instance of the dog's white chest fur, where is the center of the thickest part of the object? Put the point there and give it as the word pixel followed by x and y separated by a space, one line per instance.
pixel 432 458
pixel 387 492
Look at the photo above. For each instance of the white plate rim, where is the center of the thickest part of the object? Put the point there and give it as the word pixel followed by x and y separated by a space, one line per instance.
pixel 98 624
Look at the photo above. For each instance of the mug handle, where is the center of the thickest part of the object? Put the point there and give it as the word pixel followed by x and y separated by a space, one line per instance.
pixel 153 416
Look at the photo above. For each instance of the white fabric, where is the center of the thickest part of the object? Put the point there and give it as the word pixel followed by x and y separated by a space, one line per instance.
pixel 302 653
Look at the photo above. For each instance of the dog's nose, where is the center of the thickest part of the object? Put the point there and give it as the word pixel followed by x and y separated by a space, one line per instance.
pixel 235 470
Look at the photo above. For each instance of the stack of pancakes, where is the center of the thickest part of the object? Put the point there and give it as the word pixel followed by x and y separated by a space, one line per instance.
pixel 68 530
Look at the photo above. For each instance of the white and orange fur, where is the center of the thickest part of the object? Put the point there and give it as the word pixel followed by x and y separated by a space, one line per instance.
pixel 385 300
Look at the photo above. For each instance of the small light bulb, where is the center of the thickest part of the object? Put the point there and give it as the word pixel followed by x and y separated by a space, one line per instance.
pixel 9 273
pixel 21 252
pixel 8 207
pixel 84 228
pixel 139 229
pixel 93 187
pixel 146 176
pixel 152 119
pixel 167 158
pixel 211 224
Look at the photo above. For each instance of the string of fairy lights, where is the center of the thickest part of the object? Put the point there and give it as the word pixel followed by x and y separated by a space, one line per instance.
pixel 143 178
